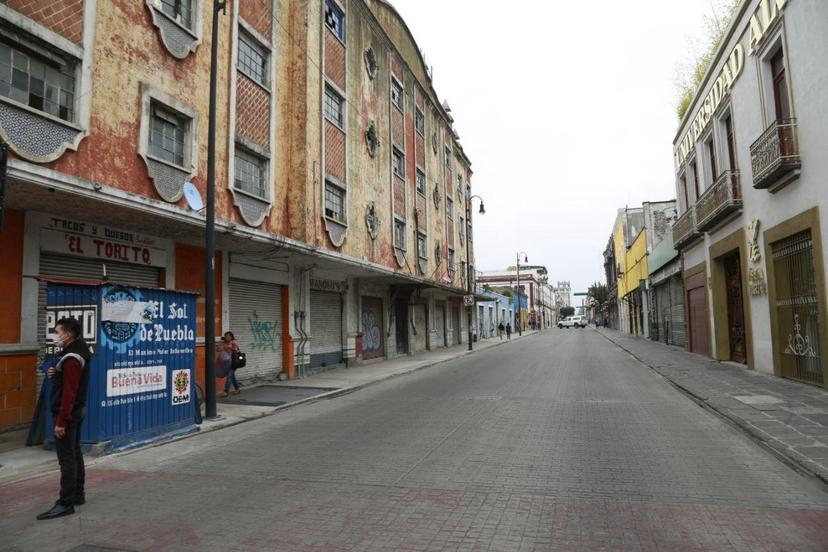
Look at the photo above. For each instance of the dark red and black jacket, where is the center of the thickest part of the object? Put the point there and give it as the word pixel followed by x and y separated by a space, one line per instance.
pixel 71 383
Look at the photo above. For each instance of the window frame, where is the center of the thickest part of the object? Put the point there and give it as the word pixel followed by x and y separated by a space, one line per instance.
pixel 400 102
pixel 449 208
pixel 420 173
pixel 331 92
pixel 159 110
pixel 253 43
pixel 264 168
pixel 400 229
pixel 419 117
pixel 397 157
pixel 447 154
pixel 192 8
pixel 339 11
pixel 336 187
pixel 422 239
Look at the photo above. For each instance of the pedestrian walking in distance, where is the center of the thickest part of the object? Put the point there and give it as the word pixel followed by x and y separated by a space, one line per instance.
pixel 500 330
pixel 225 349
pixel 70 382
pixel 508 330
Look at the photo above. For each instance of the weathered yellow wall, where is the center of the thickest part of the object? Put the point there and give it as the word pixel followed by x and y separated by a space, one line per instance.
pixel 636 263
pixel 620 252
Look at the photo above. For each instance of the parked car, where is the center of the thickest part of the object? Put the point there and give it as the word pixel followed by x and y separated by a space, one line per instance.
pixel 573 322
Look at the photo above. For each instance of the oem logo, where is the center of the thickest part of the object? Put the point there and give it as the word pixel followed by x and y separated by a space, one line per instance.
pixel 181 387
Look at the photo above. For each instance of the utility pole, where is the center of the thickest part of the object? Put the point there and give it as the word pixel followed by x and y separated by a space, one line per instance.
pixel 469 276
pixel 519 318
pixel 210 255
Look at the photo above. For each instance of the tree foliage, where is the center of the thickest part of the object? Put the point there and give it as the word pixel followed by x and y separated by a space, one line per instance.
pixel 567 311
pixel 599 292
pixel 691 72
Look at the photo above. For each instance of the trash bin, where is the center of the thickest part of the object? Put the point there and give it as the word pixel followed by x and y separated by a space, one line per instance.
pixel 143 341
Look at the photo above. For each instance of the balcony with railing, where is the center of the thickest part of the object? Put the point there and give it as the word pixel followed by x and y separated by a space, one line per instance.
pixel 684 229
pixel 775 156
pixel 719 201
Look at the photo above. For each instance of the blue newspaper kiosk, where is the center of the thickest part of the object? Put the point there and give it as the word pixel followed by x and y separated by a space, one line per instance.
pixel 141 385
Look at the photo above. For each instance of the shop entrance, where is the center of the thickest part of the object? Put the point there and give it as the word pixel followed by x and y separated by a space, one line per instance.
pixel 735 308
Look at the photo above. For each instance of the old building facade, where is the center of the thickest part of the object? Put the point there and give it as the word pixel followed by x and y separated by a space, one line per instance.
pixel 340 193
pixel 750 170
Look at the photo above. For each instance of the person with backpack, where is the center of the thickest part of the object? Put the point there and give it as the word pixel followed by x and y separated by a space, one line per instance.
pixel 228 362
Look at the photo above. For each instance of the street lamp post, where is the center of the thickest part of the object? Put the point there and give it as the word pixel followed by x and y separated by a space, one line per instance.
pixel 210 246
pixel 525 260
pixel 470 281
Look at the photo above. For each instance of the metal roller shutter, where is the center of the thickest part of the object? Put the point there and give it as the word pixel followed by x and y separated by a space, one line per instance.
pixel 256 321
pixel 440 325
pixel 325 328
pixel 679 326
pixel 373 340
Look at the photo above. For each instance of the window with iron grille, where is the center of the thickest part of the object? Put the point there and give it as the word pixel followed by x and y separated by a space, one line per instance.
pixel 398 163
pixel 334 202
pixel 252 59
pixel 179 10
pixel 421 182
pixel 397 95
pixel 36 76
pixel 449 208
pixel 334 107
pixel 419 121
pixel 250 172
pixel 167 133
pixel 422 248
pixel 399 234
pixel 335 19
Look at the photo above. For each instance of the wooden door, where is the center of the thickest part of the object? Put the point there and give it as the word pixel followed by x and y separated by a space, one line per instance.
pixel 735 309
pixel 697 315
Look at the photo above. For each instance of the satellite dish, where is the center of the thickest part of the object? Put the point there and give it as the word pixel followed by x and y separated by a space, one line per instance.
pixel 193 197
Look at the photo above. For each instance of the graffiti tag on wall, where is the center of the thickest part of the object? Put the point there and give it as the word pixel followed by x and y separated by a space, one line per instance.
pixel 265 334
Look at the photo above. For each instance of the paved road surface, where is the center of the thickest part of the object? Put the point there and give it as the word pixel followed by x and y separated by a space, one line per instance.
pixel 559 442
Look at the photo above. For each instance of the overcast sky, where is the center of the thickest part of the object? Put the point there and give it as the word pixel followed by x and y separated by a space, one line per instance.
pixel 566 110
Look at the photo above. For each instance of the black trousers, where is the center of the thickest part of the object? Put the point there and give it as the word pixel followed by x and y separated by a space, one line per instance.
pixel 70 458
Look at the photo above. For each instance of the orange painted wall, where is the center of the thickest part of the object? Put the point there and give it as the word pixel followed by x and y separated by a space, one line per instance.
pixel 11 269
pixel 18 390
pixel 189 276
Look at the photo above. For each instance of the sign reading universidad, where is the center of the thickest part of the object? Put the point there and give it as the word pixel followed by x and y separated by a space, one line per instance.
pixel 141 373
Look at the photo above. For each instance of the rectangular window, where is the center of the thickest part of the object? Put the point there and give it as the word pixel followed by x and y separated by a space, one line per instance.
pixel 421 182
pixel 780 87
pixel 179 10
pixel 451 266
pixel 250 171
pixel 167 133
pixel 683 186
pixel 419 121
pixel 711 160
pixel 694 172
pixel 448 157
pixel 449 208
pixel 422 249
pixel 335 19
pixel 469 230
pixel 334 202
pixel 252 59
pixel 463 271
pixel 462 226
pixel 398 163
pixel 397 95
pixel 399 234
pixel 43 83
pixel 334 107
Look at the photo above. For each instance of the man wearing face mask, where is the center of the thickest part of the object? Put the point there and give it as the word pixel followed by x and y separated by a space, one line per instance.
pixel 70 381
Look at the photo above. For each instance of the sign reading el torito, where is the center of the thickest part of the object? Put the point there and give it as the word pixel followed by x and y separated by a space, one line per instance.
pixel 760 22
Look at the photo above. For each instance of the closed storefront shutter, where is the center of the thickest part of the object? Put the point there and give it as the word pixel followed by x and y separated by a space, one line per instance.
pixel 440 325
pixel 420 328
pixel 326 328
pixel 697 315
pixel 678 325
pixel 256 321
pixel 663 311
pixel 373 339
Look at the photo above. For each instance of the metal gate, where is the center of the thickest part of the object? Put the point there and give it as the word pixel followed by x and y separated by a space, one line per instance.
pixel 373 340
pixel 678 326
pixel 697 314
pixel 255 320
pixel 440 325
pixel 797 309
pixel 326 328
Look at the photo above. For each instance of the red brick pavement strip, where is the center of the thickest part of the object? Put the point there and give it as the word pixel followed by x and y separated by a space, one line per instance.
pixel 167 512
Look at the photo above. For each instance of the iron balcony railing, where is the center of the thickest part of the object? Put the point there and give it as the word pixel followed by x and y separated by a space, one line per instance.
pixel 718 201
pixel 775 155
pixel 684 229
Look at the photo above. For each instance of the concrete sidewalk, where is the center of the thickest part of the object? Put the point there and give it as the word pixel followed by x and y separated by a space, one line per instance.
pixel 18 461
pixel 790 419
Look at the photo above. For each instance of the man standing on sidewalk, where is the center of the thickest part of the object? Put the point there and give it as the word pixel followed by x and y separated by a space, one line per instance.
pixel 70 381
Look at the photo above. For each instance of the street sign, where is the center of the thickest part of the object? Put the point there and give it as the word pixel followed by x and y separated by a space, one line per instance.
pixel 579 294
pixel 468 300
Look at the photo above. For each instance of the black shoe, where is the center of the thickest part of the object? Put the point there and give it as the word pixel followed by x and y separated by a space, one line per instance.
pixel 80 500
pixel 58 510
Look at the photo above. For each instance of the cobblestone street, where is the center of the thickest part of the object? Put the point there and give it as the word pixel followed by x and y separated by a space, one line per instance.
pixel 561 441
